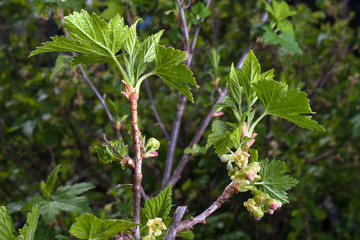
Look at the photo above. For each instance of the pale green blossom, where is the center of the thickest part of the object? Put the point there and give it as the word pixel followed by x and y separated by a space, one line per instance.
pixel 155 228
pixel 240 158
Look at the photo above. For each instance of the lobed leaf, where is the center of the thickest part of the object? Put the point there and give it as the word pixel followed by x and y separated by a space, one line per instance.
pixel 274 182
pixel 285 40
pixel 278 10
pixel 89 227
pixel 220 137
pixel 89 35
pixel 288 104
pixel 66 199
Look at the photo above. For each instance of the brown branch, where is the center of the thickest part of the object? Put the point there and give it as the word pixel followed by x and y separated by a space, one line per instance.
pixel 204 124
pixel 201 218
pixel 176 220
pixel 133 98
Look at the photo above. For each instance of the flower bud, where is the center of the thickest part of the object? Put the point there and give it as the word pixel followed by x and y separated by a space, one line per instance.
pixel 250 205
pixel 152 145
pixel 151 154
pixel 258 214
pixel 250 176
pixel 225 157
pixel 270 211
pixel 273 204
pixel 260 198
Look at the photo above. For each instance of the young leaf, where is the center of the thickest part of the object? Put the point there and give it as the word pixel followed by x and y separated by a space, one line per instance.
pixel 235 136
pixel 278 10
pixel 274 182
pixel 7 230
pixel 285 40
pixel 174 74
pixel 250 73
pixel 89 35
pixel 220 137
pixel 130 42
pixel 89 227
pixel 160 205
pixel 288 104
pixel 107 155
pixel 233 86
pixel 146 53
pixel 47 188
pixel 186 234
pixel 66 199
pixel 29 229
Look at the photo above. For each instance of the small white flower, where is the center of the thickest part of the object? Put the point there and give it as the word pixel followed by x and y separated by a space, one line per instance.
pixel 155 227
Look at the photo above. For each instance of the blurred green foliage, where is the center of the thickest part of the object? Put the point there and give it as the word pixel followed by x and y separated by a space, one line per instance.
pixel 49 116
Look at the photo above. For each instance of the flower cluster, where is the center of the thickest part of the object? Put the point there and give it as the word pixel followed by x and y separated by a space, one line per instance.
pixel 244 172
pixel 260 204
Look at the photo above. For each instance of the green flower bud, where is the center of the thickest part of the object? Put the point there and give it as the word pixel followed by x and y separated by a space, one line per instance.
pixel 250 205
pixel 258 214
pixel 260 198
pixel 152 145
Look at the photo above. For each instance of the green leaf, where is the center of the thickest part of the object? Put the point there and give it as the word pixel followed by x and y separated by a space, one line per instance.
pixel 112 9
pixel 235 136
pixel 7 230
pixel 29 229
pixel 130 42
pixel 233 86
pixel 89 227
pixel 250 73
pixel 278 10
pixel 59 64
pixel 174 74
pixel 269 75
pixel 274 182
pixel 220 137
pixel 89 59
pixel 288 104
pixel 107 155
pixel 47 188
pixel 186 234
pixel 89 35
pixel 286 26
pixel 160 205
pixel 66 199
pixel 146 53
pixel 285 40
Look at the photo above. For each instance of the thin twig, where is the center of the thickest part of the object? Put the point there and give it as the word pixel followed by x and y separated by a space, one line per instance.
pixel 204 124
pixel 153 107
pixel 182 99
pixel 93 88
